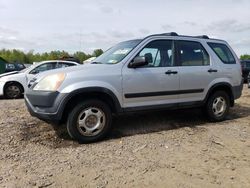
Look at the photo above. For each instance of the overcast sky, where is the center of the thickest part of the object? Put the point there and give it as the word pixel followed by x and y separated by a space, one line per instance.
pixel 84 25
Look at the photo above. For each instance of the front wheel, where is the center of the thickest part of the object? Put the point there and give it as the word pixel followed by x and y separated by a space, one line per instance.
pixel 217 106
pixel 89 121
pixel 13 91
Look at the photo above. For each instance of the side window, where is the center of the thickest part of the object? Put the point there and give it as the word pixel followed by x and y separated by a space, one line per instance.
pixel 158 53
pixel 248 65
pixel 243 64
pixel 43 67
pixel 63 65
pixel 192 54
pixel 223 52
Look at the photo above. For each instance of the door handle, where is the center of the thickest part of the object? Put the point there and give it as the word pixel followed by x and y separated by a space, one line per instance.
pixel 212 70
pixel 171 72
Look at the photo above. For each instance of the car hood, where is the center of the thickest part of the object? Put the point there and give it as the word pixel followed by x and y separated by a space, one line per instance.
pixel 13 76
pixel 8 73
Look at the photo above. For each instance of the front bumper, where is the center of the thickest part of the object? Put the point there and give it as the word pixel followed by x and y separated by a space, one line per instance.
pixel 46 106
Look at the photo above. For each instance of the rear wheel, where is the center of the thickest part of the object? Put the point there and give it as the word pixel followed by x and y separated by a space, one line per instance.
pixel 89 121
pixel 13 91
pixel 217 106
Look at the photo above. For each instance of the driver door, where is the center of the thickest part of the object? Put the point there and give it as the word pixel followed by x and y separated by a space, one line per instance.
pixel 156 83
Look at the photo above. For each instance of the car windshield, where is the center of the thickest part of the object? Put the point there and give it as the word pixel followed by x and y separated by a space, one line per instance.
pixel 116 53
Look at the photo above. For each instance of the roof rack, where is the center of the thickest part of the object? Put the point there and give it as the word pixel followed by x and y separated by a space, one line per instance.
pixel 202 36
pixel 170 34
pixel 175 34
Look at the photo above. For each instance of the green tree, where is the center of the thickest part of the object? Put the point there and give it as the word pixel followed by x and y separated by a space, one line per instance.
pixel 97 52
pixel 245 57
pixel 30 57
pixel 81 56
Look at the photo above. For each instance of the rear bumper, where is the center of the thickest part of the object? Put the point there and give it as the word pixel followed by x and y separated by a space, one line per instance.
pixel 248 81
pixel 237 90
pixel 45 105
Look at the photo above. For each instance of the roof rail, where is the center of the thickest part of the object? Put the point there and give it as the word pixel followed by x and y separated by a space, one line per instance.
pixel 175 34
pixel 202 36
pixel 170 34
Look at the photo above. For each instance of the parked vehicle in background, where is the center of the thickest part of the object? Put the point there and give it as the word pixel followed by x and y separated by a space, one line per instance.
pixel 248 80
pixel 27 65
pixel 2 65
pixel 10 67
pixel 69 58
pixel 89 60
pixel 13 84
pixel 158 72
pixel 19 66
pixel 245 69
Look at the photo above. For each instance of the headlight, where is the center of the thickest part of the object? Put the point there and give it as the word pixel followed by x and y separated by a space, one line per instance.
pixel 50 82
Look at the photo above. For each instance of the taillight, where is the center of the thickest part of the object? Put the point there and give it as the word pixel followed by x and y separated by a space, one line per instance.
pixel 242 67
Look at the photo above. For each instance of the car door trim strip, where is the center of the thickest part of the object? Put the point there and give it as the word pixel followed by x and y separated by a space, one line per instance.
pixel 162 93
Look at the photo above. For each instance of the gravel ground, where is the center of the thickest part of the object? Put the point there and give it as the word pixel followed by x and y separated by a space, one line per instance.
pixel 160 149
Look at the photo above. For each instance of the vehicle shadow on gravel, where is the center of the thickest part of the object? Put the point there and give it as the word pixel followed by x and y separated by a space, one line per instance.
pixel 128 125
pixel 143 123
pixel 168 120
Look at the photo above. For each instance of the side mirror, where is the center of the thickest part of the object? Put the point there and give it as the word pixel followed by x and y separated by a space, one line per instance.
pixel 34 72
pixel 138 61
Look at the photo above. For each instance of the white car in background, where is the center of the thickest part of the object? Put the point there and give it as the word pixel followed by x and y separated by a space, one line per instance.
pixel 13 84
pixel 89 60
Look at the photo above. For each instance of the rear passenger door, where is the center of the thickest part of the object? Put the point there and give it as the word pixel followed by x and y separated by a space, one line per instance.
pixel 196 70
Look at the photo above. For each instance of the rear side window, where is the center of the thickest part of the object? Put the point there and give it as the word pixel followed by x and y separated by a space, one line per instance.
pixel 245 64
pixel 223 52
pixel 192 54
pixel 63 65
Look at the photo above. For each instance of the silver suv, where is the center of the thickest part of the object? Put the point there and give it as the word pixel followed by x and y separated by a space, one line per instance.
pixel 162 71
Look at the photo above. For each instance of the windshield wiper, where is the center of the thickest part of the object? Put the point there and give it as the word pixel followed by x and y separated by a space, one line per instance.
pixel 95 62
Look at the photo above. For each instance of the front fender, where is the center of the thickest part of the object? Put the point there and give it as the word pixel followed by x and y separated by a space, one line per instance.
pixel 94 86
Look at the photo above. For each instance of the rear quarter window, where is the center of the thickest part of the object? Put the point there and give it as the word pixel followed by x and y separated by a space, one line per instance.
pixel 223 52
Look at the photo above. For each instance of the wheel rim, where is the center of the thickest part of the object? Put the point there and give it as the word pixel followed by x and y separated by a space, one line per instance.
pixel 91 121
pixel 219 106
pixel 13 91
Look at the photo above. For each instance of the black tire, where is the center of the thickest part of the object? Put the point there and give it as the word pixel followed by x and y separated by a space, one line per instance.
pixel 73 125
pixel 13 91
pixel 210 110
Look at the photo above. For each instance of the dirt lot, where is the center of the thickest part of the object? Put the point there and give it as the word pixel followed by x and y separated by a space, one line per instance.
pixel 161 149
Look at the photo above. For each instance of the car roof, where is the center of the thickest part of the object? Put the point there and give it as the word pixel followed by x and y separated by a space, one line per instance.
pixel 175 35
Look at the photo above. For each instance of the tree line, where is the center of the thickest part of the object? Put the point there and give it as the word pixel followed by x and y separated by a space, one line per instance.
pixel 30 57
pixel 245 57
